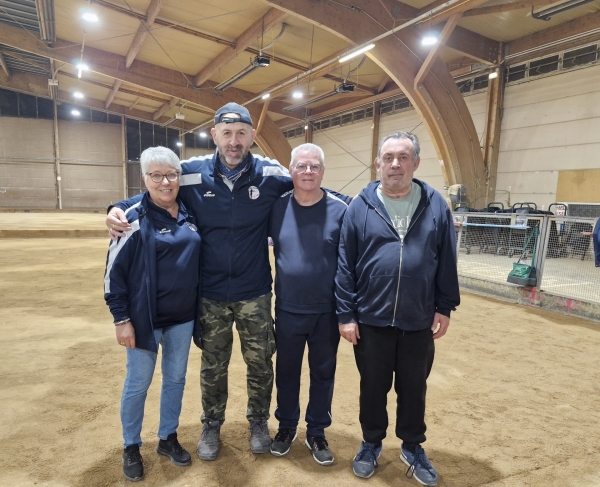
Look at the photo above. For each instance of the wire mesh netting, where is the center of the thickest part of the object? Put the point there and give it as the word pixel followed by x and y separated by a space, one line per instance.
pixel 560 249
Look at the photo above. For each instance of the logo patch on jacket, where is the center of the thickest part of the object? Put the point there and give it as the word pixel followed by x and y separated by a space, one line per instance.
pixel 253 192
pixel 209 194
pixel 192 227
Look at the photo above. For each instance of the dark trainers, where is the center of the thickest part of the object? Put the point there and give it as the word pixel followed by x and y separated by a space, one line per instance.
pixel 133 468
pixel 419 466
pixel 283 442
pixel 320 449
pixel 172 449
pixel 208 446
pixel 260 439
pixel 365 461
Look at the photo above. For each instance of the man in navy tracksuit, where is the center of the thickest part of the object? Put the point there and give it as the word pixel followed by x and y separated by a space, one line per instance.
pixel 231 193
pixel 396 285
pixel 305 227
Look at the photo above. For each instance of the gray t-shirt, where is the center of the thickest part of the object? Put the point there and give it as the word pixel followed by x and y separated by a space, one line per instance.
pixel 401 210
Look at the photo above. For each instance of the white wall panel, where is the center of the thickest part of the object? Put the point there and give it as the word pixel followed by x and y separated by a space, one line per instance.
pixel 91 169
pixel 347 156
pixel 26 163
pixel 549 125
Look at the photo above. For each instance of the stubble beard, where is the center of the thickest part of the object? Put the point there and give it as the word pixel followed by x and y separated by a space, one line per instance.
pixel 232 162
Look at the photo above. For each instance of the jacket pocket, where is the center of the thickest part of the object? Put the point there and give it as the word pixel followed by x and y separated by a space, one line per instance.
pixel 380 298
pixel 416 298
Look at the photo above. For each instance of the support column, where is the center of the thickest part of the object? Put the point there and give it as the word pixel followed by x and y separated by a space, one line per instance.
pixel 375 138
pixel 491 135
pixel 57 176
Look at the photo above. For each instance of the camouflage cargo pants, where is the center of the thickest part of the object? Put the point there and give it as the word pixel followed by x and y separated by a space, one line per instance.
pixel 255 327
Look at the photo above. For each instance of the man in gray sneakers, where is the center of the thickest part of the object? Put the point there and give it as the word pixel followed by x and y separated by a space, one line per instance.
pixel 396 285
pixel 231 194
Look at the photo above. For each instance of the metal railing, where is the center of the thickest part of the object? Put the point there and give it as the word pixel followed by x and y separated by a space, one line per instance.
pixel 489 243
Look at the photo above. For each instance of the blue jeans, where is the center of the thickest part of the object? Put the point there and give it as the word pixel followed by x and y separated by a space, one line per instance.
pixel 175 342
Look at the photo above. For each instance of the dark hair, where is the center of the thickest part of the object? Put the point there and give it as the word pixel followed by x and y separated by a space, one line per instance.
pixel 402 135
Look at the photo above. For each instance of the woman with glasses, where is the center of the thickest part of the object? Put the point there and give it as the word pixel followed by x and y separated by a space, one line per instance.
pixel 151 286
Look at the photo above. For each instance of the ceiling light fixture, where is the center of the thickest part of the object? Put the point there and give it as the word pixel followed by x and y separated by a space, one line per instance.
pixel 493 74
pixel 358 52
pixel 179 143
pixel 258 62
pixel 75 112
pixel 78 95
pixel 297 95
pixel 430 39
pixel 89 16
pixel 203 135
pixel 266 96
pixel 342 88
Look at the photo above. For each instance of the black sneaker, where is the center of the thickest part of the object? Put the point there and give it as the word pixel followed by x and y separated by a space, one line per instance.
pixel 320 449
pixel 133 468
pixel 172 449
pixel 282 443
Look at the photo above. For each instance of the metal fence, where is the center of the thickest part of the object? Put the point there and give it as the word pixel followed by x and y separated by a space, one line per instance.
pixel 560 248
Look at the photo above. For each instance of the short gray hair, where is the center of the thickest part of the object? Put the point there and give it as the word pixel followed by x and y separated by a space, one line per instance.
pixel 159 155
pixel 402 135
pixel 312 148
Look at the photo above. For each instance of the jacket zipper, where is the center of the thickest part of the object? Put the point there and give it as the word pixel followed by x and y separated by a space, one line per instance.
pixel 401 255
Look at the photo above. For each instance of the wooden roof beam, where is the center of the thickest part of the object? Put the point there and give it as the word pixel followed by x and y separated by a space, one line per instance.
pixel 112 93
pixel 244 40
pixel 473 45
pixel 384 81
pixel 164 108
pixel 38 86
pixel 433 54
pixel 144 27
pixel 476 46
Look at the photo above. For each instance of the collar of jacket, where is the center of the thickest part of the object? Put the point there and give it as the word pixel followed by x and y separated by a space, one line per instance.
pixel 369 195
pixel 251 170
pixel 142 208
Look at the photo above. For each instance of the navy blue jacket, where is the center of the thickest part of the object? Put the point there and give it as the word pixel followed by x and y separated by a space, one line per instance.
pixel 233 224
pixel 383 281
pixel 597 242
pixel 130 279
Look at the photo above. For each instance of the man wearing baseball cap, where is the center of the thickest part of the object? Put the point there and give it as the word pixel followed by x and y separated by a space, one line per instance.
pixel 231 192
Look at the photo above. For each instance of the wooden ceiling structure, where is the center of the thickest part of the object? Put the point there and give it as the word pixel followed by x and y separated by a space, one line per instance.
pixel 163 61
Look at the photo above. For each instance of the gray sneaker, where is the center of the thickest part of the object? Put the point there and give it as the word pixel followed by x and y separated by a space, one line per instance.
pixel 208 446
pixel 320 449
pixel 260 439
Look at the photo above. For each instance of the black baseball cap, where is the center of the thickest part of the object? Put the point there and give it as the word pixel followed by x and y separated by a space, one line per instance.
pixel 244 114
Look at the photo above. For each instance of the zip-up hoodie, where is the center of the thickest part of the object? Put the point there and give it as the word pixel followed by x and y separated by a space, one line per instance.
pixel 130 278
pixel 383 280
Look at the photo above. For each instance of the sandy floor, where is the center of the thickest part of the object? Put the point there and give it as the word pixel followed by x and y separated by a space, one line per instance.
pixel 513 397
